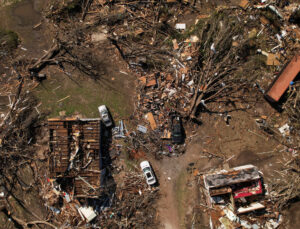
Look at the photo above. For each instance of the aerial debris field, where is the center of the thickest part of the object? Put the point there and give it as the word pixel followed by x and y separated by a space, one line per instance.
pixel 150 114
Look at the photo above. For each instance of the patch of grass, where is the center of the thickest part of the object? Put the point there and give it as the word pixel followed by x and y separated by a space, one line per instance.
pixel 5 221
pixel 195 29
pixel 130 164
pixel 73 6
pixel 18 209
pixel 259 60
pixel 8 39
pixel 81 96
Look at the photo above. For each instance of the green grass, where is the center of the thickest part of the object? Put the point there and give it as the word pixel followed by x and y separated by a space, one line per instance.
pixel 9 39
pixel 84 97
pixel 195 29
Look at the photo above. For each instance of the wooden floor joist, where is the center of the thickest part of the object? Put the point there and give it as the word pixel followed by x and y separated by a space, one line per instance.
pixel 62 144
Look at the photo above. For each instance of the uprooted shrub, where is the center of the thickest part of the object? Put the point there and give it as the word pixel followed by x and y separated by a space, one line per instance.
pixel 60 10
pixel 9 40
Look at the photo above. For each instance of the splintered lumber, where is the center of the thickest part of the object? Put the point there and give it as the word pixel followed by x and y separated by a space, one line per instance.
pixel 273 59
pixel 166 134
pixel 63 99
pixel 244 4
pixel 151 83
pixel 252 207
pixel 143 79
pixel 151 121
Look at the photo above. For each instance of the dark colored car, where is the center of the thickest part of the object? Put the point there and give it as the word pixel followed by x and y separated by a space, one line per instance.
pixel 177 131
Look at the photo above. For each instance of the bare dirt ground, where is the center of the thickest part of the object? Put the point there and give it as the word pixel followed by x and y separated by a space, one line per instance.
pixel 242 142
pixel 22 18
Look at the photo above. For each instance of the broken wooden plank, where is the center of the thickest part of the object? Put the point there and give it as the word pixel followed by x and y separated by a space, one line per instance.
pixel 143 80
pixel 273 59
pixel 151 121
pixel 251 207
pixel 244 4
pixel 151 83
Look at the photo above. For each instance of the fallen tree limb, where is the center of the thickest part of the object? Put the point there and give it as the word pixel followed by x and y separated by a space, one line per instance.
pixel 41 63
pixel 27 224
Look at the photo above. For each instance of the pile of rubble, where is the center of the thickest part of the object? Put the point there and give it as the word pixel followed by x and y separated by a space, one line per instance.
pixel 129 205
pixel 213 64
pixel 238 197
pixel 76 155
pixel 204 73
pixel 81 189
pixel 197 73
pixel 285 186
pixel 16 126
pixel 210 65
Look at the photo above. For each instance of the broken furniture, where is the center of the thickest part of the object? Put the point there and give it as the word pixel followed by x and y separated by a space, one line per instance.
pixel 87 213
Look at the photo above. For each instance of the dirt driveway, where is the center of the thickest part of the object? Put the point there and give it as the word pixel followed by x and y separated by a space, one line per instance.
pixel 213 145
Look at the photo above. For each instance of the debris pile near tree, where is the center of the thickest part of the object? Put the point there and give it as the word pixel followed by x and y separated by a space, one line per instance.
pixel 130 204
pixel 285 188
pixel 214 64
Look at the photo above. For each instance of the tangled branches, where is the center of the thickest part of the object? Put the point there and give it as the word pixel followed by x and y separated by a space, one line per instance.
pixel 292 104
pixel 17 131
pixel 218 60
pixel 132 206
pixel 61 54
pixel 287 189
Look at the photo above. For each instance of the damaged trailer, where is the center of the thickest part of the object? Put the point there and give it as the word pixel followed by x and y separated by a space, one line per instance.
pixel 232 194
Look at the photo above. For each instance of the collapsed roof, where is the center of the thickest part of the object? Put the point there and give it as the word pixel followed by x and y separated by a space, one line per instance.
pixel 75 153
pixel 233 176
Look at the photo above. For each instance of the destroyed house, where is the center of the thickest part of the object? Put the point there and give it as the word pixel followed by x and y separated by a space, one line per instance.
pixel 282 82
pixel 234 192
pixel 75 154
pixel 236 183
pixel 223 182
